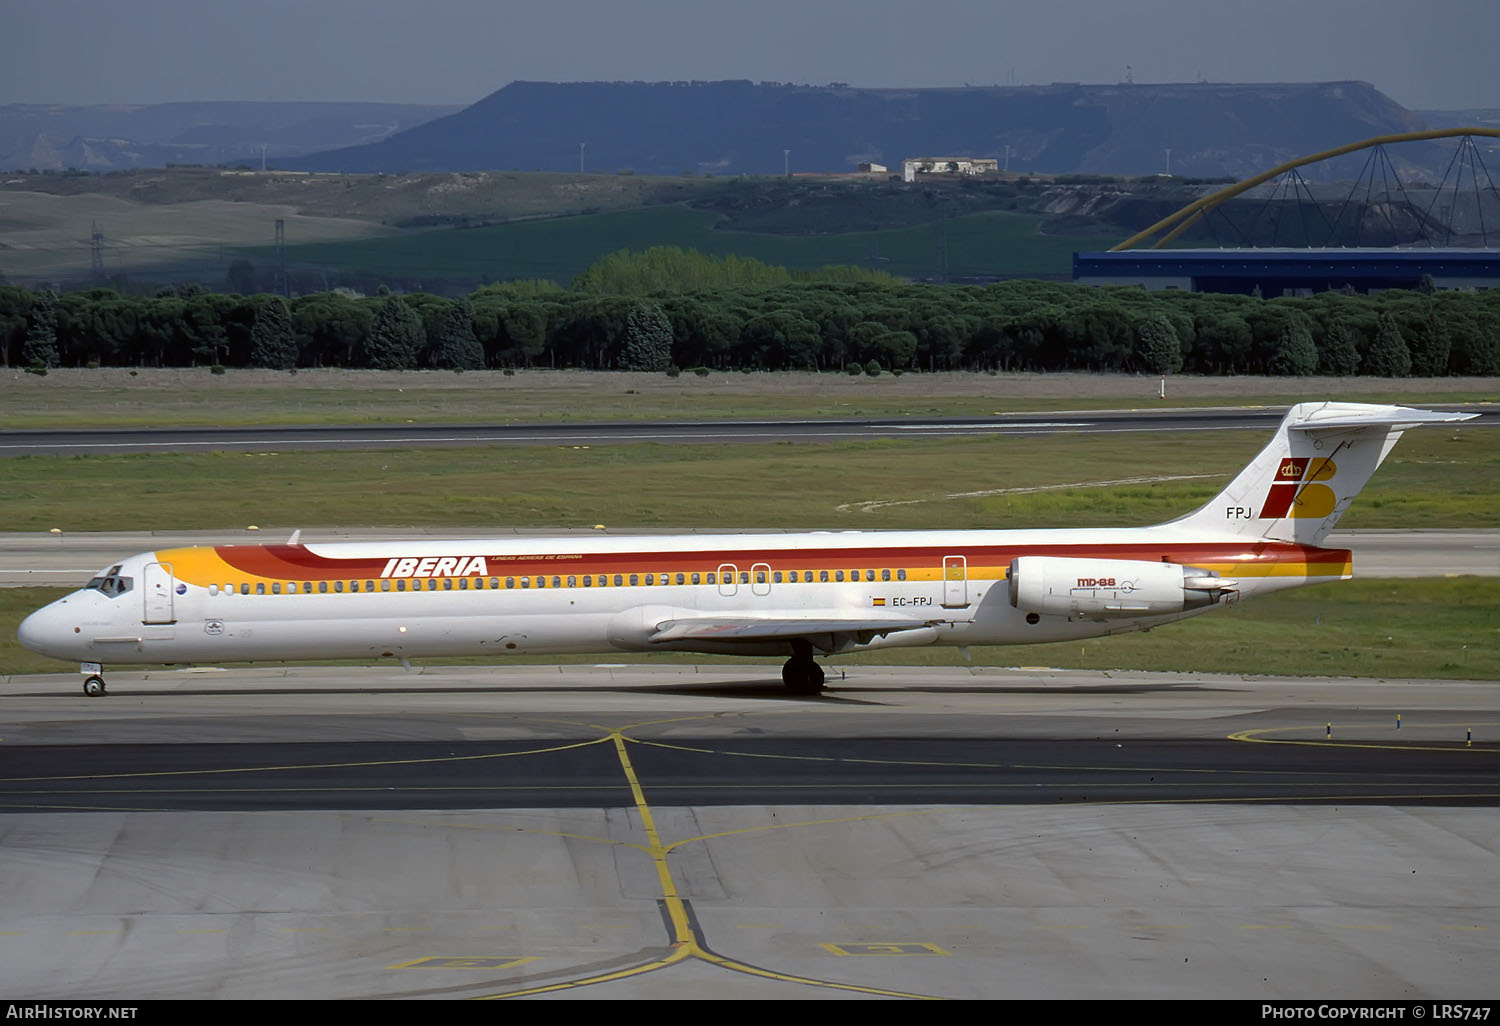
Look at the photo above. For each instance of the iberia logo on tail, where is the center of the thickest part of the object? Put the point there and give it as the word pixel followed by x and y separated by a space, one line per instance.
pixel 1298 491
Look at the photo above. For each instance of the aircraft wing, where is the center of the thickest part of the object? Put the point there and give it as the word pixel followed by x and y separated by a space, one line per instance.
pixel 744 628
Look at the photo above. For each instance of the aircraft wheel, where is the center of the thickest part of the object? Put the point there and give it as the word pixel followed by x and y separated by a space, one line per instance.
pixel 802 677
pixel 94 686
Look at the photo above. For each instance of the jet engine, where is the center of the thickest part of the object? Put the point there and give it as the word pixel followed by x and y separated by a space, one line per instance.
pixel 1102 588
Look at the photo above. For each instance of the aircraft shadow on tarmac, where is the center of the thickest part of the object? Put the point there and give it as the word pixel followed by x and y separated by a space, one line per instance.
pixel 756 688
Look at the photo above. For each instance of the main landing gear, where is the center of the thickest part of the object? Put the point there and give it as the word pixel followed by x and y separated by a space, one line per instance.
pixel 800 674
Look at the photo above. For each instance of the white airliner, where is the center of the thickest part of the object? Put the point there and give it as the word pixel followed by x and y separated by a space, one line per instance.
pixel 744 594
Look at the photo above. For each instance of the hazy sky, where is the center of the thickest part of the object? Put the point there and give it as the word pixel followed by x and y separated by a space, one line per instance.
pixel 1422 53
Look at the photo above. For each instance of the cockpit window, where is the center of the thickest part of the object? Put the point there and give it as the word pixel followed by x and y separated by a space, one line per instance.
pixel 111 583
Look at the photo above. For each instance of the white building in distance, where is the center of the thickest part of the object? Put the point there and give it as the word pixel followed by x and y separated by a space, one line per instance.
pixel 947 166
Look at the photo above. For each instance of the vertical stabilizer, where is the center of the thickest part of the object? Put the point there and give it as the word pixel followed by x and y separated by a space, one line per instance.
pixel 1315 465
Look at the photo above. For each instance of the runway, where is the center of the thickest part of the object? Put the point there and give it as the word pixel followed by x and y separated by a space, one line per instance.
pixel 692 832
pixel 255 439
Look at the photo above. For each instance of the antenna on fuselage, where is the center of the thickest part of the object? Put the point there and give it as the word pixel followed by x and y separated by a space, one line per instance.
pixel 296 538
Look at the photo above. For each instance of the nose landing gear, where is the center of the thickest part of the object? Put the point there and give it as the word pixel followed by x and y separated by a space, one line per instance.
pixel 93 679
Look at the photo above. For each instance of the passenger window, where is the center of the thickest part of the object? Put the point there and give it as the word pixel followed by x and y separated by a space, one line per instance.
pixel 322 587
pixel 760 577
pixel 385 585
pixel 650 579
pixel 885 575
pixel 572 582
pixel 276 588
pixel 557 582
pixel 369 586
pixel 900 575
pixel 695 578
pixel 463 583
pixel 823 576
pixel 526 582
pixel 401 584
pixel 447 584
pixel 338 586
pixel 710 576
pixel 634 580
pixel 775 577
pixel 618 579
pixel 681 579
pixel 541 582
pixel 744 576
pixel 244 588
pixel 260 587
pixel 307 587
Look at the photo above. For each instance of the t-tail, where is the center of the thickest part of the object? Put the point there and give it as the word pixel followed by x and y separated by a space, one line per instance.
pixel 1302 482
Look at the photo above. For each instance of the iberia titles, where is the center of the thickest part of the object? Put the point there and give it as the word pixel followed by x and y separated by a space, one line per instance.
pixel 436 566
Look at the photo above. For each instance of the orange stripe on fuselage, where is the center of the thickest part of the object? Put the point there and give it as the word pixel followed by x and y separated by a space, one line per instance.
pixel 203 566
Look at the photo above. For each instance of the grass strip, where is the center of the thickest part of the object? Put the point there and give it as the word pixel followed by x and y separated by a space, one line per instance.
pixel 1436 478
pixel 161 397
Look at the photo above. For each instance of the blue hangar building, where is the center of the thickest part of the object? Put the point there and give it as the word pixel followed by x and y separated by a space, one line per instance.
pixel 1289 272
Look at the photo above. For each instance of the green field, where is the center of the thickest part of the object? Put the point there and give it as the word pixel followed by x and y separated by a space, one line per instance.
pixel 1374 628
pixel 995 243
pixel 1447 478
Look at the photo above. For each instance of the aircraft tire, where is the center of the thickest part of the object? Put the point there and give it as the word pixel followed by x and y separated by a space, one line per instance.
pixel 94 686
pixel 802 677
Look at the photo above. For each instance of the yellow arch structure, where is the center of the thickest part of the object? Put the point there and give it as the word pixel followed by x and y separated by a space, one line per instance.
pixel 1188 215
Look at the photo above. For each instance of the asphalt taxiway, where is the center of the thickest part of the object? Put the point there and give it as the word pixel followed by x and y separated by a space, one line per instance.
pixel 74 441
pixel 693 832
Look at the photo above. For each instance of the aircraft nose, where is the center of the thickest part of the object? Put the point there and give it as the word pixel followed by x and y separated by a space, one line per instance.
pixel 41 632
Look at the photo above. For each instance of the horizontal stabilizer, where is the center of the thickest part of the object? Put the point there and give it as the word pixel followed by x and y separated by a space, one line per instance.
pixel 1336 417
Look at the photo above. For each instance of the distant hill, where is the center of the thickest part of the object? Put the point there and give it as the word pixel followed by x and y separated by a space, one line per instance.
pixel 741 127
pixel 120 136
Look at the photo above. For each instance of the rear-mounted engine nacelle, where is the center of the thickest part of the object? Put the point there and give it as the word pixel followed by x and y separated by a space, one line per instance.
pixel 1089 588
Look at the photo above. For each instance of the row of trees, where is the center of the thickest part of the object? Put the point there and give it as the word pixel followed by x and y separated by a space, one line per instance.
pixel 627 316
